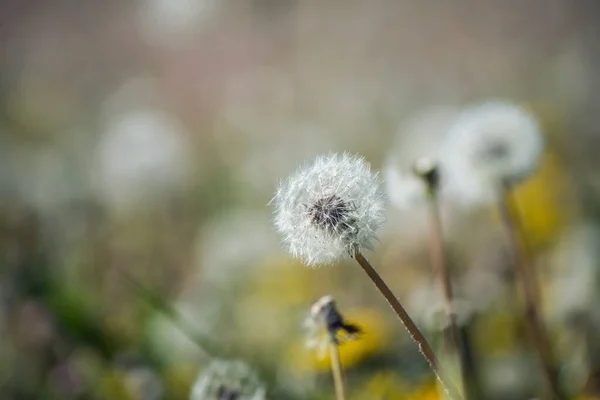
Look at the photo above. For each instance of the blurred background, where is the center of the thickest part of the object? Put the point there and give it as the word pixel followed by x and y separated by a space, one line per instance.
pixel 141 141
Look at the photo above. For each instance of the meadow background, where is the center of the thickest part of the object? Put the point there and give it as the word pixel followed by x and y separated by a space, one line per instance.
pixel 141 141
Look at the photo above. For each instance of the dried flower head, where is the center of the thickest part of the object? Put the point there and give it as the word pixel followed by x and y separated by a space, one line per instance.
pixel 228 380
pixel 496 143
pixel 328 208
pixel 326 324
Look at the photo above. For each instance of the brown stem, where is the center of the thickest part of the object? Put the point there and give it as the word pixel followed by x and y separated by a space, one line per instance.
pixel 527 281
pixel 438 261
pixel 336 369
pixel 410 326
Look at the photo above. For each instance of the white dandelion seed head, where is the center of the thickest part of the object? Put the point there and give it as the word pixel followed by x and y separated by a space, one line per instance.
pixel 420 138
pixel 225 380
pixel 329 207
pixel 491 144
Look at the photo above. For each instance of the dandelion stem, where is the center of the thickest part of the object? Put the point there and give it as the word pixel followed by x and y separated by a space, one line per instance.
pixel 528 283
pixel 438 261
pixel 336 369
pixel 410 326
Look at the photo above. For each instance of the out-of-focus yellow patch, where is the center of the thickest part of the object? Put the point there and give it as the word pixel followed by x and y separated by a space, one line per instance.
pixel 498 333
pixel 179 379
pixel 283 281
pixel 427 392
pixel 541 203
pixel 112 386
pixel 586 397
pixel 382 386
pixel 276 299
pixel 374 338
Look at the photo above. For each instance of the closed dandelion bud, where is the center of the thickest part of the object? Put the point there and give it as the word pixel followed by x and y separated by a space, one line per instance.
pixel 427 169
pixel 228 380
pixel 326 324
pixel 422 134
pixel 490 145
pixel 329 208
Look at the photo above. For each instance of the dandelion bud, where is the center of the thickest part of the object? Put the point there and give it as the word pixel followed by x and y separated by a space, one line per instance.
pixel 329 208
pixel 325 323
pixel 428 170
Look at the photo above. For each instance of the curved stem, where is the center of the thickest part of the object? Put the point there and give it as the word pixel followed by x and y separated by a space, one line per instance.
pixel 410 326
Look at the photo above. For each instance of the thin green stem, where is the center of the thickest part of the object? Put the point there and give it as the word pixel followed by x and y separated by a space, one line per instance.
pixel 410 326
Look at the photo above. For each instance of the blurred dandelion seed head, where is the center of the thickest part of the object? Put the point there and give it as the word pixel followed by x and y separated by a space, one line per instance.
pixel 329 207
pixel 492 144
pixel 427 303
pixel 228 380
pixel 143 155
pixel 172 22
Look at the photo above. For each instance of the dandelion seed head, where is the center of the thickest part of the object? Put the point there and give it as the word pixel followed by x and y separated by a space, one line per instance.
pixel 492 144
pixel 328 208
pixel 228 380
